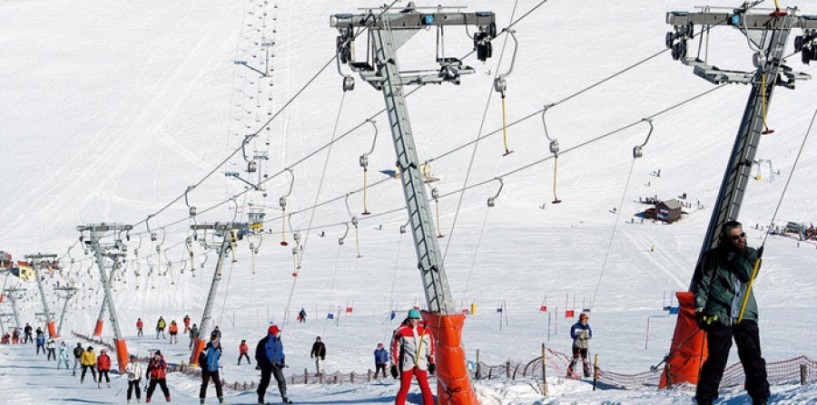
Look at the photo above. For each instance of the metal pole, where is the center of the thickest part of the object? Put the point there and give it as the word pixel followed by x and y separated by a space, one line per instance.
pixel 435 283
pixel 36 267
pixel 11 294
pixel 64 309
pixel 739 169
pixel 211 297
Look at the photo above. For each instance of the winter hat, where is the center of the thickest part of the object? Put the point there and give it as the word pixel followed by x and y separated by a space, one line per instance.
pixel 414 314
pixel 213 334
pixel 90 348
pixel 158 353
pixel 103 350
pixel 273 330
pixel 380 345
pixel 583 316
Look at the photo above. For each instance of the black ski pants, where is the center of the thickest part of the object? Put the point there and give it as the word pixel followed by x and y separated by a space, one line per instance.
pixel 206 375
pixel 51 354
pixel 378 368
pixel 243 355
pixel 40 347
pixel 719 341
pixel 84 369
pixel 134 385
pixel 162 384
pixel 266 373
pixel 107 377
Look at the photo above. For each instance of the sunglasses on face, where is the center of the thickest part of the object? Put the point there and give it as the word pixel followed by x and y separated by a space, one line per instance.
pixel 737 237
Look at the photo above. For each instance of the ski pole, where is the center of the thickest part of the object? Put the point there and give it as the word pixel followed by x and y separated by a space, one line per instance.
pixel 672 352
pixel 751 282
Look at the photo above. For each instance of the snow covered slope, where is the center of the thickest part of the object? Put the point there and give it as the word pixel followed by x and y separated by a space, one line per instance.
pixel 109 112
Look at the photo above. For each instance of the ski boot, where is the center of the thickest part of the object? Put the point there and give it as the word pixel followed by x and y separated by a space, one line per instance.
pixel 99 385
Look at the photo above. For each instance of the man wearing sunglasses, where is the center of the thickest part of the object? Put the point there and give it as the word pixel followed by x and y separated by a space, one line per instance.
pixel 719 294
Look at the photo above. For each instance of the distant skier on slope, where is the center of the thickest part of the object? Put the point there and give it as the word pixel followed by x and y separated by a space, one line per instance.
pixel 88 362
pixel 103 365
pixel 40 342
pixel 62 357
pixel 139 326
pixel 580 332
pixel 51 346
pixel 78 351
pixel 243 351
pixel 160 328
pixel 194 333
pixel 381 359
pixel 174 331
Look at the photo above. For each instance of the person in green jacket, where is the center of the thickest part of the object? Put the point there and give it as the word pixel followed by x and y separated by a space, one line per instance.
pixel 722 279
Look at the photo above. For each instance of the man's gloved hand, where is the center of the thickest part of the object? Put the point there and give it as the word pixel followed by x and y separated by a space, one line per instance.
pixel 394 373
pixel 432 368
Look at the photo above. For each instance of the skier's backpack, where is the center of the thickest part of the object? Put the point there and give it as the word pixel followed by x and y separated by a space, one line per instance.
pixel 78 352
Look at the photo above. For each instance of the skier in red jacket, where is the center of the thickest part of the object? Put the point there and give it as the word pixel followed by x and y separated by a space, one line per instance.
pixel 412 355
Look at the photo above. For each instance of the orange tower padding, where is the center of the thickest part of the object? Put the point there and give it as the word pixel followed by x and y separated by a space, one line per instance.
pixel 52 330
pixel 98 328
pixel 688 348
pixel 453 385
pixel 121 354
pixel 198 346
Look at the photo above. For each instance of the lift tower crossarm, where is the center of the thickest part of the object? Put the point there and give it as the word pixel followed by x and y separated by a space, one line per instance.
pixel 742 20
pixel 95 233
pixel 34 260
pixel 410 20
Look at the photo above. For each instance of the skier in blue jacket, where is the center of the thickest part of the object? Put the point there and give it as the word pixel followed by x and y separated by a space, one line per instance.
pixel 381 360
pixel 580 332
pixel 270 358
pixel 209 361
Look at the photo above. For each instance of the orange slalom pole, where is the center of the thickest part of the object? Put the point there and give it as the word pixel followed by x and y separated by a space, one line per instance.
pixel 453 383
pixel 52 329
pixel 198 346
pixel 121 354
pixel 98 328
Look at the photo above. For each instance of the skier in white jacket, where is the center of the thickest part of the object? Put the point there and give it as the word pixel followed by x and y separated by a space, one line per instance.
pixel 134 371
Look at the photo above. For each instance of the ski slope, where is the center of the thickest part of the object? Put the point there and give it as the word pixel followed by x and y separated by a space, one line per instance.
pixel 111 111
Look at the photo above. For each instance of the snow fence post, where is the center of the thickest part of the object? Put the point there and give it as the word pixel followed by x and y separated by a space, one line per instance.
pixel 803 374
pixel 306 376
pixel 544 373
pixel 595 370
pixel 479 371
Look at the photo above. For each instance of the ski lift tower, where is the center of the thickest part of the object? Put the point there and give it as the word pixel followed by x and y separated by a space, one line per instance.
pixel 93 235
pixel 66 294
pixel 767 33
pixel 226 231
pixel 36 260
pixel 387 32
pixel 14 294
pixel 116 259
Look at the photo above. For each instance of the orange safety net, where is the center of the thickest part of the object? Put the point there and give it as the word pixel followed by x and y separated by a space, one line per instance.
pixel 121 354
pixel 688 350
pixel 453 385
pixel 198 346
pixel 98 328
pixel 52 329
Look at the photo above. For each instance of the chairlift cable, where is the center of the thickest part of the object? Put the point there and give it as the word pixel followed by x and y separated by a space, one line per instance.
pixel 476 145
pixel 317 197
pixel 636 155
pixel 771 223
pixel 539 161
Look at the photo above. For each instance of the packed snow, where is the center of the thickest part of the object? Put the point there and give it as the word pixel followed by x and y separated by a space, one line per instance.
pixel 110 111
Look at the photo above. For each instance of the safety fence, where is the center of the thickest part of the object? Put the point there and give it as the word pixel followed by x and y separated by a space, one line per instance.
pixel 798 370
